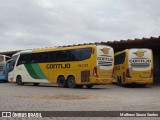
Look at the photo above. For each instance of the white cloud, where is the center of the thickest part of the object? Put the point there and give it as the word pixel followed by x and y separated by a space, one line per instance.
pixel 44 23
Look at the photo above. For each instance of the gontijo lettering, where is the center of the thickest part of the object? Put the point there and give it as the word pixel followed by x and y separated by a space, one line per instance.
pixel 58 66
pixel 139 61
pixel 105 58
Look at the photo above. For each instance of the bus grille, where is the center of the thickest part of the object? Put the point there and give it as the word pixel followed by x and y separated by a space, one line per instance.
pixel 85 76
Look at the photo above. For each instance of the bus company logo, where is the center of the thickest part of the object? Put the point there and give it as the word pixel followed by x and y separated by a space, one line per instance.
pixel 105 59
pixel 139 53
pixel 105 51
pixel 140 62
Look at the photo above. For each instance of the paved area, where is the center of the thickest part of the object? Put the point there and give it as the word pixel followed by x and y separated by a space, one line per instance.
pixel 48 97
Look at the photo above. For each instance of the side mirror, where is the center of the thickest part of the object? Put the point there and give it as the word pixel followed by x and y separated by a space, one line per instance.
pixel 8 61
pixel 9 64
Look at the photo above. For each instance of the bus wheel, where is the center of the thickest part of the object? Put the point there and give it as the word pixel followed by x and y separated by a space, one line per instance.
pixel 119 81
pixel 123 84
pixel 19 80
pixel 71 82
pixel 35 84
pixel 89 86
pixel 61 82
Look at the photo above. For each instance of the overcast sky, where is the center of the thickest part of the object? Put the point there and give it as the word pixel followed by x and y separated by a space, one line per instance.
pixel 26 24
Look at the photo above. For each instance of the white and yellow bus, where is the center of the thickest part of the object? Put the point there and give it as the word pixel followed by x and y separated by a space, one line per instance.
pixel 133 66
pixel 67 66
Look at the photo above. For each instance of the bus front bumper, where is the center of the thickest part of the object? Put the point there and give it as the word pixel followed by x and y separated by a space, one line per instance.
pixel 3 78
pixel 139 80
pixel 101 81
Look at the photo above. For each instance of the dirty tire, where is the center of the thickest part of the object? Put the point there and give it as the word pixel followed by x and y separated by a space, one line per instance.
pixel 61 82
pixel 19 80
pixel 71 82
pixel 89 86
pixel 35 84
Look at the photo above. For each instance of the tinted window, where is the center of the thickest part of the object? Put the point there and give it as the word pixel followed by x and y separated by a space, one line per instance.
pixel 75 55
pixel 55 56
pixel 61 56
pixel 80 54
pixel 119 59
pixel 22 59
pixel 86 53
pixel 30 58
pixel 42 57
pixel 12 63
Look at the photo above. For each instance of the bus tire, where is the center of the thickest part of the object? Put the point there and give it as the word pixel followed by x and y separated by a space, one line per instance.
pixel 89 86
pixel 71 82
pixel 35 84
pixel 79 86
pixel 119 81
pixel 123 84
pixel 142 85
pixel 61 82
pixel 19 80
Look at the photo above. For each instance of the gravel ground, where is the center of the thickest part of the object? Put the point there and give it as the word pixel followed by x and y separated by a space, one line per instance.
pixel 47 97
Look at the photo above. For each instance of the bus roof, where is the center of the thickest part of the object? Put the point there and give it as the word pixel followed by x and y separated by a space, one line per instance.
pixel 117 53
pixel 54 49
pixel 60 48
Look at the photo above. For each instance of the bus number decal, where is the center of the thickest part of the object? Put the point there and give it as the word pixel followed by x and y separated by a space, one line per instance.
pixel 82 65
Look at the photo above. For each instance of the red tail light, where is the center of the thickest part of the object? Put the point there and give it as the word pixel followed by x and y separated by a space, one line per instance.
pixel 127 73
pixel 151 75
pixel 95 72
pixel 113 73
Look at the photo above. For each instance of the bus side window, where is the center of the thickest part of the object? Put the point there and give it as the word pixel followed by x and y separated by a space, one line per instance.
pixel 85 53
pixel 44 57
pixel 32 58
pixel 22 59
pixel 119 59
pixel 51 56
pixel 60 56
pixel 80 54
pixel 64 56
